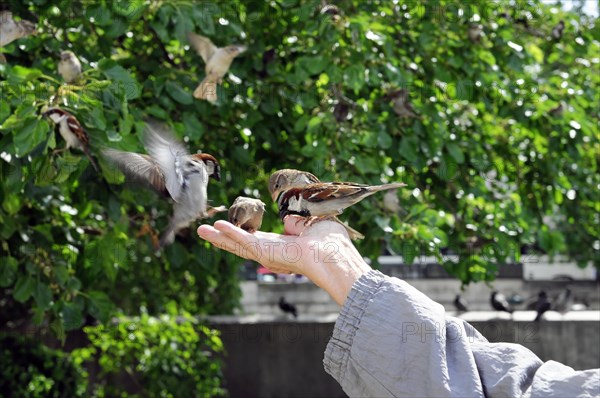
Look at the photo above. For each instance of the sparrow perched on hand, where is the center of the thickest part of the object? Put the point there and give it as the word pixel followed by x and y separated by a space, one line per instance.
pixel 72 131
pixel 282 180
pixel 315 198
pixel 173 172
pixel 217 59
pixel 247 213
pixel 69 67
pixel 11 30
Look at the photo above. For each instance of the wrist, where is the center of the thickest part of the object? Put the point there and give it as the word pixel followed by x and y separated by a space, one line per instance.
pixel 338 270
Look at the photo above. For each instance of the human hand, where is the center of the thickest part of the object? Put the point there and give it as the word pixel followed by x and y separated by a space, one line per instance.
pixel 322 251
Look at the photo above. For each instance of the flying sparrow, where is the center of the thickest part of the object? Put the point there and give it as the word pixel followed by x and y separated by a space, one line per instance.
pixel 11 30
pixel 72 132
pixel 247 213
pixel 173 172
pixel 217 60
pixel 301 193
pixel 69 67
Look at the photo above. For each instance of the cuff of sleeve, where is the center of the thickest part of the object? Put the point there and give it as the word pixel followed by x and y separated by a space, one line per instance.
pixel 337 352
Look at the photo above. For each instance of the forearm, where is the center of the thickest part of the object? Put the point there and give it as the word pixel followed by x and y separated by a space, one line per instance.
pixel 390 340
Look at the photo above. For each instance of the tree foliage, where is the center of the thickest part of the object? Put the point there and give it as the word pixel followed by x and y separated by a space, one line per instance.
pixel 494 133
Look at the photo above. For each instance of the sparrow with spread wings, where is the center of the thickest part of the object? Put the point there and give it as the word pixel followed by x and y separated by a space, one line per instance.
pixel 11 30
pixel 173 172
pixel 217 60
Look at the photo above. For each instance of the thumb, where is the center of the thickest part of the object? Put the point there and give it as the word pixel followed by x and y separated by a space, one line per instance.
pixel 294 225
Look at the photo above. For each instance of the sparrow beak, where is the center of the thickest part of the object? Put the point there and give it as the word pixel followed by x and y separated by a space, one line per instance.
pixel 275 195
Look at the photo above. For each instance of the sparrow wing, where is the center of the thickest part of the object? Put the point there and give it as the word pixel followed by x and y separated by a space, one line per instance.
pixel 138 166
pixel 203 46
pixel 331 190
pixel 77 129
pixel 168 153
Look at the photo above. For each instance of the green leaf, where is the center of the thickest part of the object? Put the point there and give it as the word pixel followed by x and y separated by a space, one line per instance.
pixel 193 127
pixel 20 74
pixel 384 140
pixel 8 270
pixel 23 288
pixel 99 305
pixel 4 110
pixel 455 152
pixel 354 77
pixel 42 295
pixel 408 149
pixel 123 82
pixel 33 133
pixel 535 52
pixel 12 203
pixel 72 316
pixel 179 94
pixel 487 57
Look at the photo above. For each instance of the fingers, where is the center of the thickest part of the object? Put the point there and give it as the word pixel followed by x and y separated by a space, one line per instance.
pixel 235 233
pixel 217 238
pixel 294 225
pixel 228 237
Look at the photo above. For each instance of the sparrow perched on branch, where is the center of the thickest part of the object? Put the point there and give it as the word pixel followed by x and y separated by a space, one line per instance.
pixel 401 103
pixel 247 213
pixel 11 30
pixel 217 60
pixel 173 172
pixel 475 32
pixel 317 199
pixel 72 131
pixel 69 67
pixel 557 31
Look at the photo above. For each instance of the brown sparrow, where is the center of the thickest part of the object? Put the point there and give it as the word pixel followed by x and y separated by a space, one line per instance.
pixel 173 172
pixel 401 104
pixel 247 213
pixel 475 32
pixel 72 132
pixel 557 31
pixel 299 192
pixel 69 67
pixel 217 60
pixel 327 198
pixel 11 30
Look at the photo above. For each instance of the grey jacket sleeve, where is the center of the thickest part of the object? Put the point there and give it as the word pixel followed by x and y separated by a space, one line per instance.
pixel 391 340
